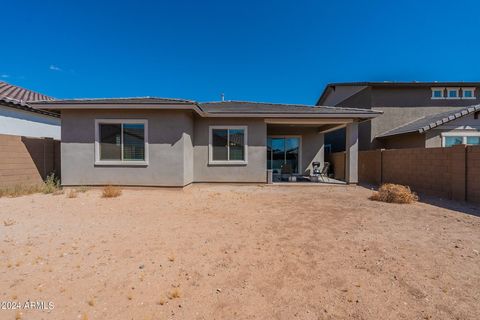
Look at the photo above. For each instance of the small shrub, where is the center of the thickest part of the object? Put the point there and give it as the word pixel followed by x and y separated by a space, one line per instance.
pixel 52 184
pixel 8 222
pixel 394 193
pixel 111 192
pixel 174 294
pixel 72 194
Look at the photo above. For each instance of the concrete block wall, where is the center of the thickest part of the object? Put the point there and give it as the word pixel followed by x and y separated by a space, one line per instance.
pixel 337 162
pixel 473 173
pixel 27 161
pixel 425 171
pixel 370 166
pixel 452 173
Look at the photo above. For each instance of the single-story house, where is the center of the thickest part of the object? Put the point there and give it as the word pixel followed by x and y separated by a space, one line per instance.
pixel 175 142
pixel 18 118
pixel 443 129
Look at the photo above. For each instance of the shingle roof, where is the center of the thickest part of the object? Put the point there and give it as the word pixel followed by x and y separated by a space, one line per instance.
pixel 227 107
pixel 17 97
pixel 429 122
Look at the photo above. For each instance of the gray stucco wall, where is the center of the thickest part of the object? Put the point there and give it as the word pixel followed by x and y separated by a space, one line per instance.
pixel 254 171
pixel 433 139
pixel 409 140
pixel 394 117
pixel 169 147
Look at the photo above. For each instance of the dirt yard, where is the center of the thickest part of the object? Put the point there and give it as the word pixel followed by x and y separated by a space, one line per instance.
pixel 238 252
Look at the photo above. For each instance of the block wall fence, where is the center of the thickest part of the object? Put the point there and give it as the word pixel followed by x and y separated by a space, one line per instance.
pixel 452 173
pixel 27 161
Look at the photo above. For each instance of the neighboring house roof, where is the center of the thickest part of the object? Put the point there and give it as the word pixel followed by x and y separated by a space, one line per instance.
pixel 223 108
pixel 17 97
pixel 391 84
pixel 429 122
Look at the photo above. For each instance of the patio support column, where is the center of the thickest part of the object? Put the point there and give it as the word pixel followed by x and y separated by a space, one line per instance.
pixel 351 154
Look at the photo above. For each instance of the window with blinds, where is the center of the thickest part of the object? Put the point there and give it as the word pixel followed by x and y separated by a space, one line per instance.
pixel 228 145
pixel 121 141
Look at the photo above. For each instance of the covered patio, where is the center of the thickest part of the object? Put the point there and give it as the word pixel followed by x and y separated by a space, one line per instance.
pixel 296 150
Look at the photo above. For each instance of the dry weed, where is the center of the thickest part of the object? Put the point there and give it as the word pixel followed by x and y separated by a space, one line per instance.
pixel 394 193
pixel 111 192
pixel 82 189
pixel 72 194
pixel 9 222
pixel 174 294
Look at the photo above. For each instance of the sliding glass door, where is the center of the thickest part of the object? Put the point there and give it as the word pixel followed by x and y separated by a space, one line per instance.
pixel 283 154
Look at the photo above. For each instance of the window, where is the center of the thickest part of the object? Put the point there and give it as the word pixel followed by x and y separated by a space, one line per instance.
pixel 228 145
pixel 121 142
pixel 452 93
pixel 473 140
pixel 453 140
pixel 468 93
pixel 438 93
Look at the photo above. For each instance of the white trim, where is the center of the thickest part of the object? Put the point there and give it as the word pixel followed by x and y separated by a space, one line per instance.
pixel 99 162
pixel 228 162
pixel 462 134
pixel 438 89
pixel 457 90
pixel 300 148
pixel 469 89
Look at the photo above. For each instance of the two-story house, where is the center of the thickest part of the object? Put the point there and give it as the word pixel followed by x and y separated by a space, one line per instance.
pixel 415 114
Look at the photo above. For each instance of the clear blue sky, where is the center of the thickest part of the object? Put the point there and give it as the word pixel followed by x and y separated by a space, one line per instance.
pixel 279 51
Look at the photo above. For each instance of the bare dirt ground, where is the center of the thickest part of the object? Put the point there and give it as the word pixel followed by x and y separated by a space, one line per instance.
pixel 238 252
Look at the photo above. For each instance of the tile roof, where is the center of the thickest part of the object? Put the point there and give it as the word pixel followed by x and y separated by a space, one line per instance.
pixel 17 97
pixel 431 121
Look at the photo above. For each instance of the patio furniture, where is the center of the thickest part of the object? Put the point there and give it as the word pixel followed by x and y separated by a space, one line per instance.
pixel 324 172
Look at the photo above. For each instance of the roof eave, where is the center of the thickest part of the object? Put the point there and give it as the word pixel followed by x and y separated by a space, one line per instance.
pixel 27 108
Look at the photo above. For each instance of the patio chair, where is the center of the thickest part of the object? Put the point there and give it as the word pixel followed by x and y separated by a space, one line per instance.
pixel 286 171
pixel 324 172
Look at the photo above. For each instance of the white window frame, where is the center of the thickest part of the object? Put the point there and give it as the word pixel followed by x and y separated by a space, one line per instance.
pixel 469 89
pixel 462 134
pixel 457 90
pixel 438 89
pixel 227 162
pixel 99 162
